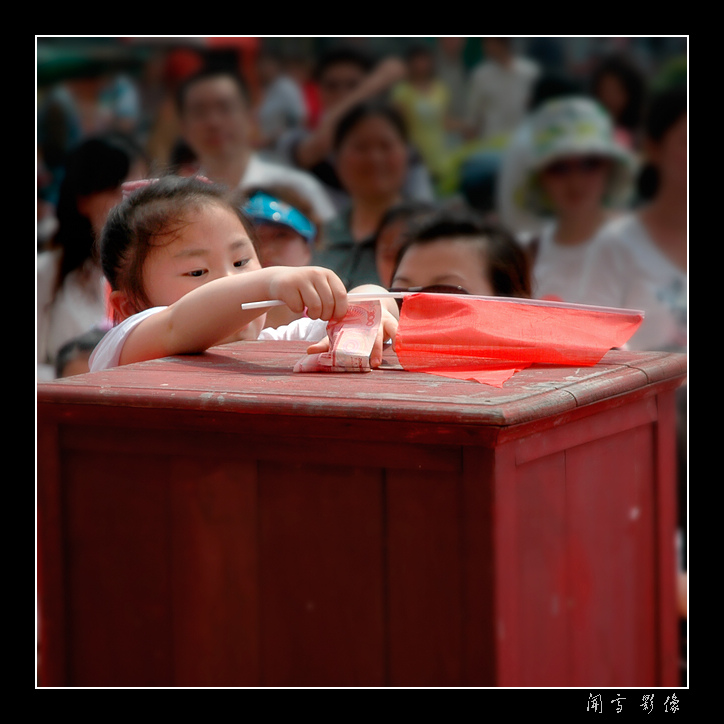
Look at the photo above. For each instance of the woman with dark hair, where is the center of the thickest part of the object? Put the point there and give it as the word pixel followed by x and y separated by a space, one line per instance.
pixel 620 87
pixel 70 285
pixel 458 251
pixel 371 156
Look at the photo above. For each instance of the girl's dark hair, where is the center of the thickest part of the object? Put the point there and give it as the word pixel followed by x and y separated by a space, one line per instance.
pixel 664 109
pixel 99 163
pixel 505 259
pixel 151 216
pixel 369 109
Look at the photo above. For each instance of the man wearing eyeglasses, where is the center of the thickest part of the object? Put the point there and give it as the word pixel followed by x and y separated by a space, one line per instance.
pixel 216 123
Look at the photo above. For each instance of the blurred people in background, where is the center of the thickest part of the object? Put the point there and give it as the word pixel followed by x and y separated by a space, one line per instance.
pixel 92 101
pixel 347 76
pixel 182 160
pixel 287 231
pixel 371 150
pixel 73 356
pixel 620 86
pixel 282 106
pixel 424 101
pixel 286 226
pixel 499 91
pixel 217 125
pixel 578 176
pixel 453 73
pixel 525 222
pixel 640 261
pixel 300 66
pixel 163 128
pixel 71 296
pixel 498 97
pixel 391 234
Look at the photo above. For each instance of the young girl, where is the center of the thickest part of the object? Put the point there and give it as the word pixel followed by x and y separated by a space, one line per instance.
pixel 180 258
pixel 457 251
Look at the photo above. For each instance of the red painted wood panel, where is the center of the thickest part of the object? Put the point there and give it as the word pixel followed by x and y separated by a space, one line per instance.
pixel 219 520
pixel 321 574
pixel 479 653
pixel 612 561
pixel 213 564
pixel 117 576
pixel 541 522
pixel 424 577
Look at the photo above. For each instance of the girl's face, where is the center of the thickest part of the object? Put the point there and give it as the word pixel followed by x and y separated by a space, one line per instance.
pixel 457 262
pixel 211 245
pixel 279 245
pixel 372 160
pixel 576 184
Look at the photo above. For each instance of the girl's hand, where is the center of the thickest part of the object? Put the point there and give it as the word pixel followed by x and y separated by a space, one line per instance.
pixel 387 330
pixel 317 289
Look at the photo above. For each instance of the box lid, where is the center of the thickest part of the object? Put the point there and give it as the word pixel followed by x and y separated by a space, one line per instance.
pixel 257 377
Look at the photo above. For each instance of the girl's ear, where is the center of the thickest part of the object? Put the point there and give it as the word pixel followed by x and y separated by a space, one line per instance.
pixel 121 305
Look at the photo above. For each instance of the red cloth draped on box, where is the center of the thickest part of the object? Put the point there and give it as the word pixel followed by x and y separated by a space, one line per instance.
pixel 488 339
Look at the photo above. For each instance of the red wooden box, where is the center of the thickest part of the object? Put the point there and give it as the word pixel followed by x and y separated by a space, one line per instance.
pixel 218 520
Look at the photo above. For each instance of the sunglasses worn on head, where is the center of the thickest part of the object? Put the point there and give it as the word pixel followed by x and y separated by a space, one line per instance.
pixel 587 164
pixel 433 289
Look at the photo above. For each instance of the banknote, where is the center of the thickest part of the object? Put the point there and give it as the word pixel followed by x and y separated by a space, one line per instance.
pixel 351 340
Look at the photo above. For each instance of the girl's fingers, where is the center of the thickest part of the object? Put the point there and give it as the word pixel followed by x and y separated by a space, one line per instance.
pixel 294 299
pixel 340 297
pixel 387 330
pixel 319 347
pixel 328 297
pixel 320 290
pixel 376 354
pixel 324 299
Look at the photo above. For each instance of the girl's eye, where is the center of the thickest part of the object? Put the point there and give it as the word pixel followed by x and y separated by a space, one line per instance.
pixel 241 262
pixel 196 273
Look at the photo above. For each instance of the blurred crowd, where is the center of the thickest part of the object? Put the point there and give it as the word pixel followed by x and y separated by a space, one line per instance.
pixel 573 150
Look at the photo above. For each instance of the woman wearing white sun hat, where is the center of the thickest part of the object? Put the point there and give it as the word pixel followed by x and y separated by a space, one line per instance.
pixel 578 178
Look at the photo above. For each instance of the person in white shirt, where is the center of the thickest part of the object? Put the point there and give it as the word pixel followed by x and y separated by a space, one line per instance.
pixel 71 290
pixel 499 90
pixel 217 124
pixel 640 261
pixel 578 178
